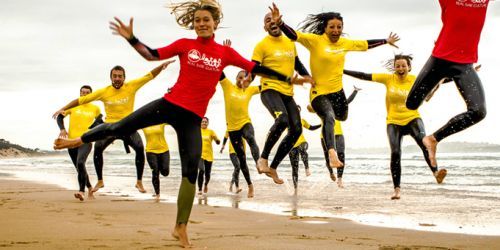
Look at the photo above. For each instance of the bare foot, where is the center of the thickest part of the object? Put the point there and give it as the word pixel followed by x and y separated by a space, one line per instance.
pixel 334 159
pixel 139 186
pixel 308 172
pixel 274 175
pixel 332 176
pixel 61 143
pixel 430 144
pixel 263 166
pixel 295 192
pixel 440 175
pixel 90 195
pixel 205 189
pixel 397 194
pixel 180 233
pixel 238 190
pixel 156 197
pixel 80 196
pixel 231 187
pixel 250 191
pixel 340 184
pixel 98 185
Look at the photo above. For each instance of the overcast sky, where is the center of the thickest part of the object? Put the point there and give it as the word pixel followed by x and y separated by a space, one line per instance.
pixel 49 48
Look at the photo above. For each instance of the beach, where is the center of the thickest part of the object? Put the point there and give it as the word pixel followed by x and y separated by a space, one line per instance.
pixel 42 216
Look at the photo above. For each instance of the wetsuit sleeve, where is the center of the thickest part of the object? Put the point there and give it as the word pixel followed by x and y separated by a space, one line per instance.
pixel 235 59
pixel 375 43
pixel 60 122
pixel 171 50
pixel 300 68
pixel 314 127
pixel 288 31
pixel 222 76
pixel 305 124
pixel 98 120
pixel 269 73
pixel 143 49
pixel 94 96
pixel 359 75
pixel 352 96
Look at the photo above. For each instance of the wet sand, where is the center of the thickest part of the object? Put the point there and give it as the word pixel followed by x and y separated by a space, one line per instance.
pixel 40 216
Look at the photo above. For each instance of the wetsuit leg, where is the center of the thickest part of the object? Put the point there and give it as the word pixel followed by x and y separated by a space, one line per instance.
pixel 417 132
pixel 236 172
pixel 274 104
pixel 471 89
pixel 294 161
pixel 292 117
pixel 153 160
pixel 324 110
pixel 135 141
pixel 237 141
pixel 433 71
pixel 208 171
pixel 395 134
pixel 303 154
pixel 201 174
pixel 340 147
pixel 339 105
pixel 164 163
pixel 327 159
pixel 99 148
pixel 248 133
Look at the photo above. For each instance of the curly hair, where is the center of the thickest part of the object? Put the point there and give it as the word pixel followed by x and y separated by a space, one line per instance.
pixel 184 11
pixel 389 64
pixel 317 23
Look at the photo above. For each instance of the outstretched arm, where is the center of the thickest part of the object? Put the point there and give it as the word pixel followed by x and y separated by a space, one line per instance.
pixel 353 95
pixel 359 75
pixel 223 144
pixel 127 32
pixel 161 67
pixel 71 104
pixel 287 30
pixel 60 123
pixel 391 40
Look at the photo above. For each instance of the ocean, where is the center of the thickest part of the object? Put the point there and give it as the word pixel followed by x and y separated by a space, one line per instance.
pixel 467 202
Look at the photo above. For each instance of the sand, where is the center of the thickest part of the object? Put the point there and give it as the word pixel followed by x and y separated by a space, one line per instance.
pixel 40 216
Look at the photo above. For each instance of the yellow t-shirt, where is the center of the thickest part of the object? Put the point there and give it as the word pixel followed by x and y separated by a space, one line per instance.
pixel 302 139
pixel 207 135
pixel 395 98
pixel 118 103
pixel 236 101
pixel 80 119
pixel 327 60
pixel 155 139
pixel 277 53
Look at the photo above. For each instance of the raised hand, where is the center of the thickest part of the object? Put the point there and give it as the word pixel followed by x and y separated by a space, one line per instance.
pixel 275 14
pixel 392 39
pixel 226 42
pixel 120 29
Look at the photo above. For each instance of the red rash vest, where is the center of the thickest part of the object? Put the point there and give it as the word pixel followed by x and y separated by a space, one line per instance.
pixel 463 21
pixel 202 61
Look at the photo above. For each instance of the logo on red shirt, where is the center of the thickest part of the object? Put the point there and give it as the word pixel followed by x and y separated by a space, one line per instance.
pixel 209 63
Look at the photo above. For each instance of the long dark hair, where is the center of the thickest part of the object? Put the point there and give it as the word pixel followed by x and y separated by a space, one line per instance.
pixel 317 23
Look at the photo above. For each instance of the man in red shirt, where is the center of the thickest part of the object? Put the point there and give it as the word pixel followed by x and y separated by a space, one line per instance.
pixel 454 53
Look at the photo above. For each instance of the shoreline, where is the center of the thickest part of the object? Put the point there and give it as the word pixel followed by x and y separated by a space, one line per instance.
pixel 47 216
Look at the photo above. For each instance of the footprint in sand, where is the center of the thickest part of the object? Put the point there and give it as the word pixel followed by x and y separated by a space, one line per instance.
pixel 195 222
pixel 143 232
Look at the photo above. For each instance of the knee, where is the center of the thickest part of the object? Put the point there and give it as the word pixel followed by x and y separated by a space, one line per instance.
pixel 478 114
pixel 80 166
pixel 295 129
pixel 281 121
pixel 395 155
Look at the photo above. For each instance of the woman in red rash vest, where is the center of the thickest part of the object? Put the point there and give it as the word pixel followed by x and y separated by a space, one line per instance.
pixel 183 106
pixel 454 53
